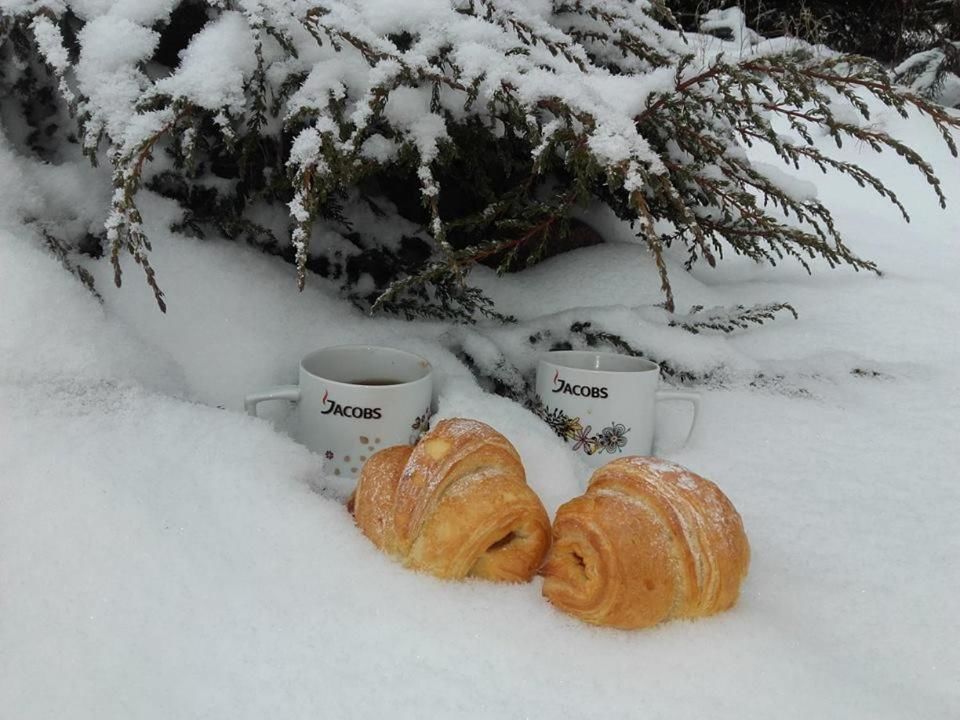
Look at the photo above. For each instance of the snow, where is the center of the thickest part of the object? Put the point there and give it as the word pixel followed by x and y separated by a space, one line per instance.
pixel 386 16
pixel 798 190
pixel 924 73
pixel 408 109
pixel 120 90
pixel 145 12
pixel 379 148
pixel 107 70
pixel 166 556
pixel 483 53
pixel 732 22
pixel 215 65
pixel 22 7
pixel 50 42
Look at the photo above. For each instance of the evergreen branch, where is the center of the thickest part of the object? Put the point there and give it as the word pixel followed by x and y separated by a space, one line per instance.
pixel 499 152
pixel 62 253
pixel 125 224
pixel 727 320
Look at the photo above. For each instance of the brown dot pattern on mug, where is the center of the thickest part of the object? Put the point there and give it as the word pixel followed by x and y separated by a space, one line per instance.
pixel 371 448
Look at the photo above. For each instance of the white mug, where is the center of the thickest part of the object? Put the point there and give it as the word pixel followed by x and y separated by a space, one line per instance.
pixel 603 404
pixel 353 400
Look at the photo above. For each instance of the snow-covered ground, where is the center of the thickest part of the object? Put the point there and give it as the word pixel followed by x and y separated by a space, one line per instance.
pixel 164 556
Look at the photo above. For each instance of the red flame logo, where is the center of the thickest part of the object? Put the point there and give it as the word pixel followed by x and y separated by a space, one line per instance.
pixel 556 375
pixel 326 394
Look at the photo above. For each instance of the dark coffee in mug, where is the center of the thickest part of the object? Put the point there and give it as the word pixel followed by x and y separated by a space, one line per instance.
pixel 353 400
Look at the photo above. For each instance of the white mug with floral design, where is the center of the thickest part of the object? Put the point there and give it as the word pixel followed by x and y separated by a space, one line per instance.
pixel 353 400
pixel 603 404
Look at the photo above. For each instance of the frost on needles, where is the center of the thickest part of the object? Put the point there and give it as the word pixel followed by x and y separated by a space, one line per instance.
pixel 392 144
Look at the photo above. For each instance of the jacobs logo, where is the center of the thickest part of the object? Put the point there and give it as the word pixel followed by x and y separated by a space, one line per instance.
pixel 562 386
pixel 350 411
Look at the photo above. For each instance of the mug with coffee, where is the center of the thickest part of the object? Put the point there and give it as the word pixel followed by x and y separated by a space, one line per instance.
pixel 603 404
pixel 353 400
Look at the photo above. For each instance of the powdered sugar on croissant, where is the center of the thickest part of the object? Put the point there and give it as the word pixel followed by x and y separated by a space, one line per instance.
pixel 648 541
pixel 456 505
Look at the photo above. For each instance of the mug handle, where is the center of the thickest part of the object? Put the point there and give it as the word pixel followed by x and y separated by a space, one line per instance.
pixel 690 397
pixel 281 392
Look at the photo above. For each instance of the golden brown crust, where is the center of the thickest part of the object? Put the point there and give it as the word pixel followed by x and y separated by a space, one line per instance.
pixel 647 542
pixel 374 497
pixel 457 505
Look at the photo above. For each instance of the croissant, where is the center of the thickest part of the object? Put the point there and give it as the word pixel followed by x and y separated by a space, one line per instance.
pixel 647 542
pixel 456 505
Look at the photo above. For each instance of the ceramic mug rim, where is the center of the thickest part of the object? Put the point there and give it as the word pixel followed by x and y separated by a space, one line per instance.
pixel 643 365
pixel 419 360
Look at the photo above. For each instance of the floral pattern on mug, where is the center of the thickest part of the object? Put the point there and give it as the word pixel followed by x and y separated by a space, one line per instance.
pixel 420 425
pixel 583 440
pixel 611 439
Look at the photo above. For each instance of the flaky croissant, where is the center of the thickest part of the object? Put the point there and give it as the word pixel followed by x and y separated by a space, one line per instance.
pixel 456 505
pixel 648 541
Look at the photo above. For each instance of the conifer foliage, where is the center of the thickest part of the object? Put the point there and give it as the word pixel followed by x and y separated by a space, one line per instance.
pixel 919 39
pixel 411 139
pixel 932 67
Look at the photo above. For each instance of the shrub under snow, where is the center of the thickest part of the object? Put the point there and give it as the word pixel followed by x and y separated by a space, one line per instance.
pixel 473 130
